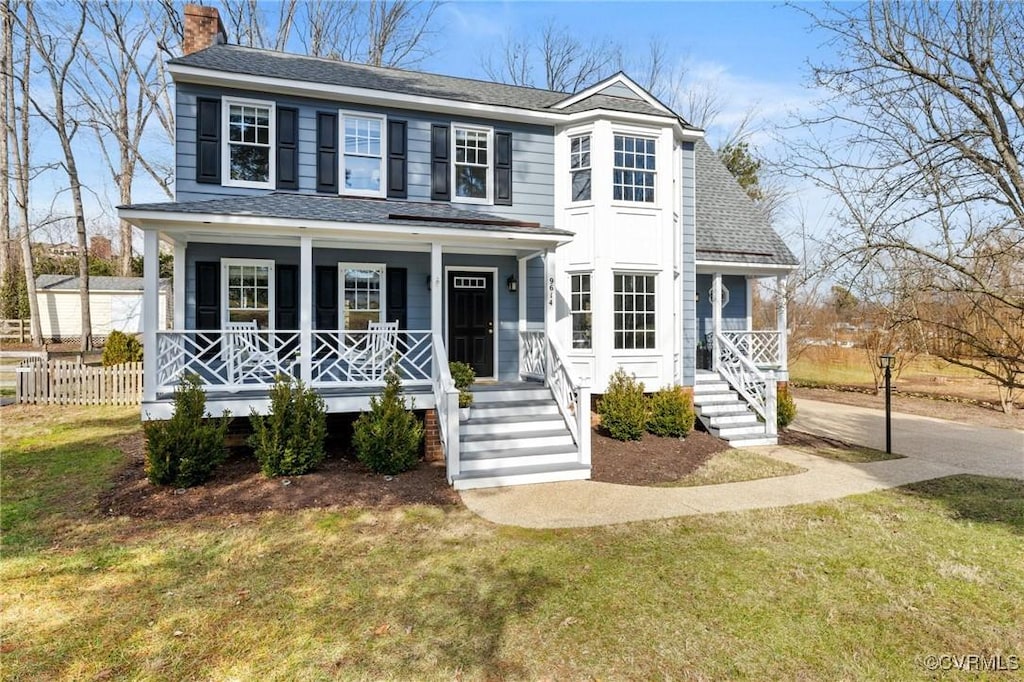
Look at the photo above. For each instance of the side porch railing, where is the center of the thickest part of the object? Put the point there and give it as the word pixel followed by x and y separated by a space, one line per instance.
pixel 541 358
pixel 446 400
pixel 755 386
pixel 762 347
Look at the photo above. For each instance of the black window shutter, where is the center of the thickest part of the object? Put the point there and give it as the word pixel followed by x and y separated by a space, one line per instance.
pixel 439 163
pixel 287 149
pixel 397 163
pixel 326 152
pixel 503 169
pixel 326 297
pixel 287 300
pixel 397 308
pixel 208 295
pixel 208 140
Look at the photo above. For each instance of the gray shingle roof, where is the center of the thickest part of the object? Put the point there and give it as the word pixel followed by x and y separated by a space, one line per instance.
pixel 729 227
pixel 96 283
pixel 254 62
pixel 350 210
pixel 613 103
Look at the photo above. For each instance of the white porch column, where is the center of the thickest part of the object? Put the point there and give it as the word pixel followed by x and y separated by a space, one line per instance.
pixel 716 317
pixel 522 311
pixel 550 311
pixel 306 309
pixel 150 311
pixel 178 284
pixel 781 321
pixel 436 290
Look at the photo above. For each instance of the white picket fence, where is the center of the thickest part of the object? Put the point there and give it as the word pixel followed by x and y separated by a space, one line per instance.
pixel 62 382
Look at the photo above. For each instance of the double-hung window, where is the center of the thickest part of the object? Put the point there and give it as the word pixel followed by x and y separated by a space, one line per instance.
pixel 634 169
pixel 249 291
pixel 249 138
pixel 473 164
pixel 634 311
pixel 362 295
pixel 579 310
pixel 579 167
pixel 362 164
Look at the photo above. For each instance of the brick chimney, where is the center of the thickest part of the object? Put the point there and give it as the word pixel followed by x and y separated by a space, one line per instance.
pixel 100 247
pixel 203 28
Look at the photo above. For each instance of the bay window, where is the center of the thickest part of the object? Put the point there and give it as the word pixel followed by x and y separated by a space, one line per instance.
pixel 634 169
pixel 579 167
pixel 634 311
pixel 579 311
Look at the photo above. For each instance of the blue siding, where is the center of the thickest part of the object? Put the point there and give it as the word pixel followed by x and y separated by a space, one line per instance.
pixel 532 153
pixel 734 314
pixel 688 244
pixel 535 288
pixel 417 292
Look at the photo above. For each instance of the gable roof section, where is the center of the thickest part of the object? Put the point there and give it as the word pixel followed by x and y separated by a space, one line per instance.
pixel 333 209
pixel 730 228
pixel 613 103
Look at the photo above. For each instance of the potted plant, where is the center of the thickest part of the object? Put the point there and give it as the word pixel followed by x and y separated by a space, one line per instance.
pixel 463 376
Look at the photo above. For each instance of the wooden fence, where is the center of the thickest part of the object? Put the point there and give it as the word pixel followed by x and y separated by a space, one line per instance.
pixel 15 330
pixel 61 382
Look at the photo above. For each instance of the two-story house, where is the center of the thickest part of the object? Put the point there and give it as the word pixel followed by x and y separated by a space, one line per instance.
pixel 332 220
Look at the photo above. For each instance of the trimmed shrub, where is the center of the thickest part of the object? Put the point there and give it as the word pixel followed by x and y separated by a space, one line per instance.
pixel 785 408
pixel 463 376
pixel 624 409
pixel 387 438
pixel 290 440
pixel 671 413
pixel 121 348
pixel 184 450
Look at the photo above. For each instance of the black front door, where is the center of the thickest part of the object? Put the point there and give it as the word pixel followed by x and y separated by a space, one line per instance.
pixel 471 320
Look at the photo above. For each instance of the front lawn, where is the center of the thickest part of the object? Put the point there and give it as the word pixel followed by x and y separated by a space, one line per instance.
pixel 863 588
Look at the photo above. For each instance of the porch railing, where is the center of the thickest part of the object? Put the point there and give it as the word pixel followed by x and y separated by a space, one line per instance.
pixel 233 360
pixel 540 357
pixel 764 348
pixel 446 400
pixel 757 387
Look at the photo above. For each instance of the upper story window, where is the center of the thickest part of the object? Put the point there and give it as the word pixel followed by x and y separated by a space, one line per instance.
pixel 633 176
pixel 473 163
pixel 250 133
pixel 362 164
pixel 579 167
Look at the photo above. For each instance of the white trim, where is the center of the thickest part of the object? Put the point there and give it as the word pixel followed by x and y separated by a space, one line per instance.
pixel 496 313
pixel 178 284
pixel 342 267
pixel 225 141
pixel 201 76
pixel 621 79
pixel 225 263
pixel 383 191
pixel 710 267
pixel 489 198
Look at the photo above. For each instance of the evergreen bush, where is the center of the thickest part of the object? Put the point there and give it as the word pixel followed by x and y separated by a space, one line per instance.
pixel 121 348
pixel 184 450
pixel 785 408
pixel 387 438
pixel 671 413
pixel 290 440
pixel 624 409
pixel 463 376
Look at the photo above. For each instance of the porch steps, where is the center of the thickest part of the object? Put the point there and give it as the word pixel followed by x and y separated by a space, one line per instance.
pixel 725 414
pixel 515 435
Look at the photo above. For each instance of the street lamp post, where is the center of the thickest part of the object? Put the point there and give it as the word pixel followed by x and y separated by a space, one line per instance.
pixel 886 362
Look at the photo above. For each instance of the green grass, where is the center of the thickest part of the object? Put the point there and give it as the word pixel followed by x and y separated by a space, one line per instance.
pixel 855 455
pixel 733 466
pixel 854 589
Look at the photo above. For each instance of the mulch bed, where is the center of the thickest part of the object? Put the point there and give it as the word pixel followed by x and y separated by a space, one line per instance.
pixel 651 459
pixel 238 487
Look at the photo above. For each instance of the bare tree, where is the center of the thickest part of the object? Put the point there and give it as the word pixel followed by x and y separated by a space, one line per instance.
pixel 6 66
pixel 921 140
pixel 18 123
pixel 57 47
pixel 329 28
pixel 113 81
pixel 568 64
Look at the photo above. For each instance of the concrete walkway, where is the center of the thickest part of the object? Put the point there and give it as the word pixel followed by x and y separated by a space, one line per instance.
pixel 934 448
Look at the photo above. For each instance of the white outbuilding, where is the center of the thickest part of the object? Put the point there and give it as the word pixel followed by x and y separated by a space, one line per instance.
pixel 115 304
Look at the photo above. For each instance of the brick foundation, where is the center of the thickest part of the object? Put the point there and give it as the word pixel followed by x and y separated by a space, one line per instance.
pixel 433 451
pixel 203 28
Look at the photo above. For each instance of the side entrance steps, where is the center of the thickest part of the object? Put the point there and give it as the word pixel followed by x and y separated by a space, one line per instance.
pixel 725 414
pixel 515 435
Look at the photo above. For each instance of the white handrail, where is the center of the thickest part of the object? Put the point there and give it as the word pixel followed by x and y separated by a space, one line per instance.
pixel 446 400
pixel 757 388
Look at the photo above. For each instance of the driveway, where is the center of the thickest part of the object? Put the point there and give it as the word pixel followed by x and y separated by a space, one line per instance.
pixel 972 449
